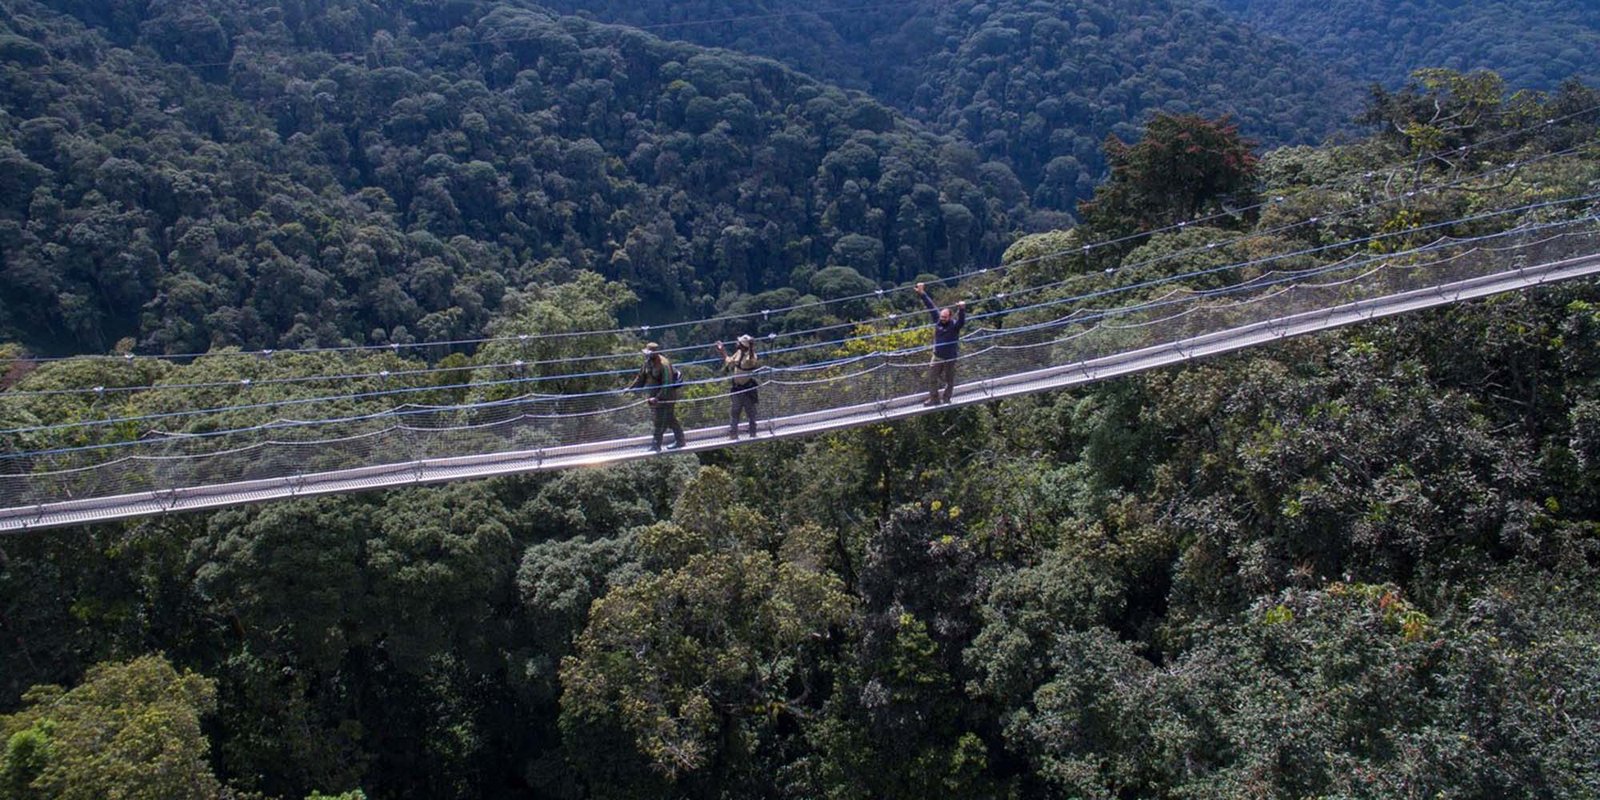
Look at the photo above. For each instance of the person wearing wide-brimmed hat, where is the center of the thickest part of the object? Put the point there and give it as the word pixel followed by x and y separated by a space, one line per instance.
pixel 742 391
pixel 660 381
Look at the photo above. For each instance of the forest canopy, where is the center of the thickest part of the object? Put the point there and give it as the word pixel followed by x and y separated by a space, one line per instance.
pixel 1362 563
pixel 1536 44
pixel 1035 86
pixel 292 196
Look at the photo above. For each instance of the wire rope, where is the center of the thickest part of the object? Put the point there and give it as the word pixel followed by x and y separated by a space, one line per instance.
pixel 521 366
pixel 801 348
pixel 646 330
pixel 1252 284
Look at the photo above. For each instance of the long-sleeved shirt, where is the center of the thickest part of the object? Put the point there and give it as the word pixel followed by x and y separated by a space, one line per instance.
pixel 655 377
pixel 946 335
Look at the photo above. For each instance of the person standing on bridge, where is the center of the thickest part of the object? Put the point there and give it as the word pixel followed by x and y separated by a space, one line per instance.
pixel 660 380
pixel 742 389
pixel 946 345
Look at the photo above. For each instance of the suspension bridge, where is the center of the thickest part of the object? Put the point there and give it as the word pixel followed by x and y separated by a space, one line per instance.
pixel 1049 345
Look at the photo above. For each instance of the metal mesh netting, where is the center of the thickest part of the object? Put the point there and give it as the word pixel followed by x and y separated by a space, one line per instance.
pixel 1043 338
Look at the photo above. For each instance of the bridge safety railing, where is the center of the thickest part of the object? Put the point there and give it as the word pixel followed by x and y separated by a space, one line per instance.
pixel 882 382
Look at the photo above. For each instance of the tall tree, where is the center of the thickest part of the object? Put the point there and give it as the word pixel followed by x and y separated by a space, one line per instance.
pixel 128 730
pixel 1185 164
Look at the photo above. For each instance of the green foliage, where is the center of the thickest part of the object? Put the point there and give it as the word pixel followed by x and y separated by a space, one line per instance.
pixel 1537 44
pixel 1357 564
pixel 583 302
pixel 1183 165
pixel 1034 88
pixel 1045 257
pixel 900 727
pixel 718 671
pixel 128 730
pixel 310 199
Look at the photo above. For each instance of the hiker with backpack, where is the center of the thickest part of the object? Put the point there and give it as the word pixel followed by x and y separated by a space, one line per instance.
pixel 661 381
pixel 742 391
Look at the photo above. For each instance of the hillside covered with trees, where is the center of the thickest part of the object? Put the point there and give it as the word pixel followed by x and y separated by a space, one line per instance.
pixel 189 176
pixel 1037 86
pixel 1357 564
pixel 1535 44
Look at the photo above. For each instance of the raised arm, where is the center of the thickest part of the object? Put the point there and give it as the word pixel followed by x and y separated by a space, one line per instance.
pixel 927 302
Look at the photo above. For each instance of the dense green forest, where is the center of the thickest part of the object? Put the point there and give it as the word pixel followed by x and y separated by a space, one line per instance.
pixel 1535 43
pixel 1356 564
pixel 1036 86
pixel 156 190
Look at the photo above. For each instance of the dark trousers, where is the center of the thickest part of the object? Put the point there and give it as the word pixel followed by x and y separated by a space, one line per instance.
pixel 667 417
pixel 744 403
pixel 941 375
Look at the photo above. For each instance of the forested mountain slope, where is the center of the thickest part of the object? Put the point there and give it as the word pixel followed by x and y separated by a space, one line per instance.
pixel 1036 85
pixel 1535 43
pixel 275 174
pixel 839 42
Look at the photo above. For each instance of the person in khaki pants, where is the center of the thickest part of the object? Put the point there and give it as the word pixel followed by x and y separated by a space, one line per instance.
pixel 946 345
pixel 742 390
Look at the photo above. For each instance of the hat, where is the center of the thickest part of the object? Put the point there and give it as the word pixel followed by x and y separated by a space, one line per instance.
pixel 745 340
pixel 651 349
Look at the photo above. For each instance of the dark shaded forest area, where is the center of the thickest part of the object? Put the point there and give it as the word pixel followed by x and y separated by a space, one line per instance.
pixel 1036 86
pixel 1536 44
pixel 1358 564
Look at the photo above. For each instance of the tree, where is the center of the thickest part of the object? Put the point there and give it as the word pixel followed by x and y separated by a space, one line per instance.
pixel 1184 164
pixel 1440 115
pixel 901 724
pixel 129 730
pixel 697 668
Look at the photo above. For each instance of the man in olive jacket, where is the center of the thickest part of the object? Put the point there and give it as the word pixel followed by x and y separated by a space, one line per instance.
pixel 659 379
